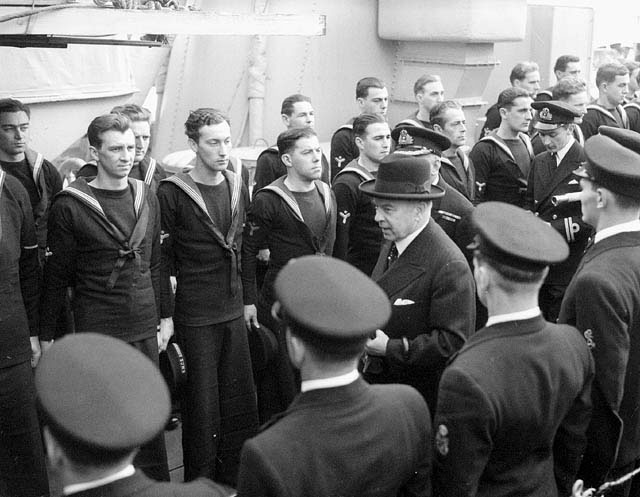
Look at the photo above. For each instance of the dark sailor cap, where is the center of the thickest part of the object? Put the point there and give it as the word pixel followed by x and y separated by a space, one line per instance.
pixel 613 161
pixel 101 393
pixel 553 113
pixel 515 237
pixel 331 299
pixel 415 137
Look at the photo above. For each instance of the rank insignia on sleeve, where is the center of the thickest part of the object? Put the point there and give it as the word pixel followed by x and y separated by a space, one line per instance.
pixel 442 440
pixel 252 227
pixel 588 336
pixel 344 215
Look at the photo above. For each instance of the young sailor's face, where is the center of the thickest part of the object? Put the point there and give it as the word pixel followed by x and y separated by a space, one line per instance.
pixel 306 159
pixel 116 152
pixel 214 146
pixel 376 142
pixel 142 132
pixel 14 132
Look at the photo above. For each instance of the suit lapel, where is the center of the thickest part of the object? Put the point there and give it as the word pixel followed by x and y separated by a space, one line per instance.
pixel 561 172
pixel 408 267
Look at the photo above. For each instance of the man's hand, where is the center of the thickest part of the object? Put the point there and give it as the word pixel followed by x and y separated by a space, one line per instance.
pixel 36 351
pixel 263 255
pixel 45 345
pixel 378 345
pixel 165 333
pixel 578 491
pixel 251 316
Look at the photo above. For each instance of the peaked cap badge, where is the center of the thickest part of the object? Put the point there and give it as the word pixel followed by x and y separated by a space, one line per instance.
pixel 545 114
pixel 405 138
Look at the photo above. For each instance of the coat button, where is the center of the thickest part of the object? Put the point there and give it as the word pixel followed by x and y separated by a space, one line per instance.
pixel 555 216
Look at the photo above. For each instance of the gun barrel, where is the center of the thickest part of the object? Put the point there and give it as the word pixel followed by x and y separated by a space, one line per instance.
pixel 566 198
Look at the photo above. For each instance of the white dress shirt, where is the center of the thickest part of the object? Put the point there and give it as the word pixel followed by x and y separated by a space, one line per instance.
pixel 513 316
pixel 333 382
pixel 563 151
pixel 80 487
pixel 402 245
pixel 618 228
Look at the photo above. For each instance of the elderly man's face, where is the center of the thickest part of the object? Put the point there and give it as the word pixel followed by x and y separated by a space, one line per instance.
pixel 397 218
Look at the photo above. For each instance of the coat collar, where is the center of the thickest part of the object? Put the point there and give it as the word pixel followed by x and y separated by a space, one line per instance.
pixel 81 190
pixel 628 239
pixel 501 144
pixel 132 485
pixel 553 175
pixel 410 265
pixel 502 330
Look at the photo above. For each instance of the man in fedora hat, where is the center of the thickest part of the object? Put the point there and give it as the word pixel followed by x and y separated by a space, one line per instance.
pixel 452 211
pixel 425 276
pixel 340 436
pixel 514 404
pixel 603 302
pixel 550 180
pixel 96 418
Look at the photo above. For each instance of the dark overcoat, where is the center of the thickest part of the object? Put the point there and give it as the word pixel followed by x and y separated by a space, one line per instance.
pixel 547 180
pixel 349 441
pixel 513 409
pixel 432 293
pixel 603 302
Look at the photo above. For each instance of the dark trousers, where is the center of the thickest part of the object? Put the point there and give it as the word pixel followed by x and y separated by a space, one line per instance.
pixel 22 466
pixel 279 383
pixel 219 410
pixel 152 457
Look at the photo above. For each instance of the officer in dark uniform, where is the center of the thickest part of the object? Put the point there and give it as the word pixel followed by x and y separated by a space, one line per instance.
pixel 603 302
pixel 321 445
pixel 96 418
pixel 552 194
pixel 514 403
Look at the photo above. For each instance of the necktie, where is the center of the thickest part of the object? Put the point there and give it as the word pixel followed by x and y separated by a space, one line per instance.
pixel 393 255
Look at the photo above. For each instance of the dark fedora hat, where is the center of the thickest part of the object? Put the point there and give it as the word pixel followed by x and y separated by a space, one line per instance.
pixel 403 176
pixel 173 367
pixel 263 347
